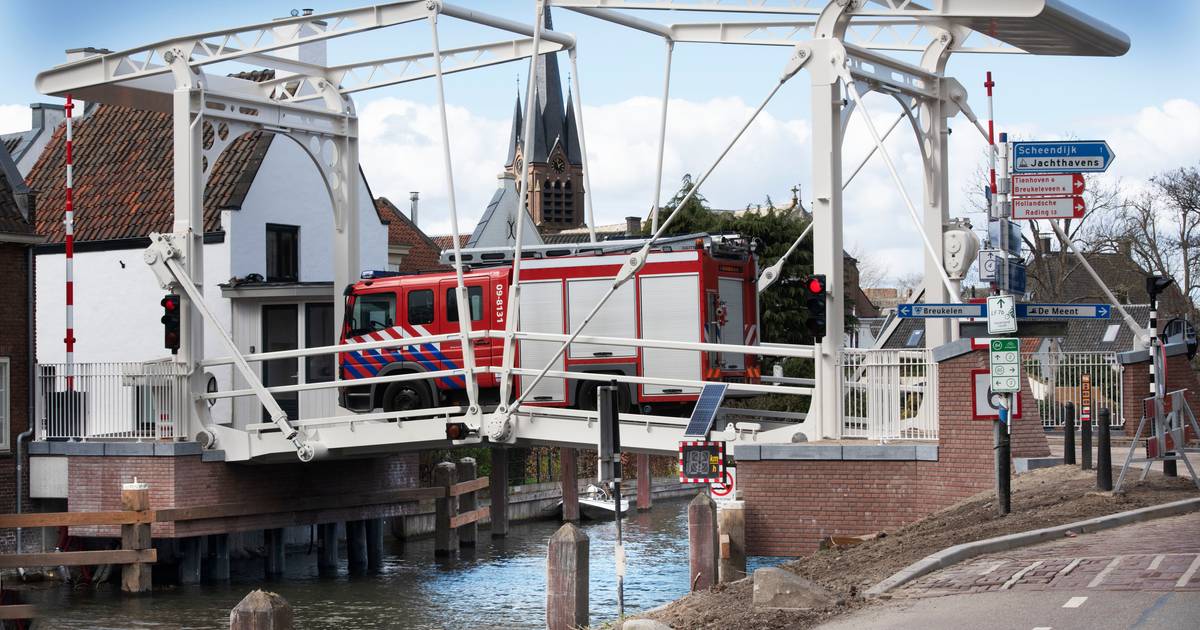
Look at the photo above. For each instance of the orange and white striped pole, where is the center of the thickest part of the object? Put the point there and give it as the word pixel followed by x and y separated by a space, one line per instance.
pixel 69 248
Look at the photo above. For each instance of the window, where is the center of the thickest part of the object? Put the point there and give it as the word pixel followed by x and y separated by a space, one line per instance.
pixel 318 331
pixel 283 253
pixel 474 298
pixel 420 307
pixel 1110 333
pixel 5 402
pixel 373 311
pixel 914 338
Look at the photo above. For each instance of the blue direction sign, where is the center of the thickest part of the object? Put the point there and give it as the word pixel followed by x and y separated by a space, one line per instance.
pixel 1080 156
pixel 910 311
pixel 1063 311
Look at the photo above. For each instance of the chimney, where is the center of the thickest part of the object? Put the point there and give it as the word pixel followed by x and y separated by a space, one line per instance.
pixel 633 226
pixel 413 197
pixel 1126 246
pixel 1044 241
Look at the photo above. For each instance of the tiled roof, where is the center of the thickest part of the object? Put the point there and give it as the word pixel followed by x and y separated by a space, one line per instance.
pixel 1123 275
pixel 124 177
pixel 11 142
pixel 445 241
pixel 12 219
pixel 423 253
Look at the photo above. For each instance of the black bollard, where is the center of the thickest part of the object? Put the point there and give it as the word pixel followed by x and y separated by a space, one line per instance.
pixel 1104 452
pixel 1085 442
pixel 1069 434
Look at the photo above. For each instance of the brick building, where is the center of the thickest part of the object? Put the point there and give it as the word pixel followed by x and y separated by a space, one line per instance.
pixel 17 238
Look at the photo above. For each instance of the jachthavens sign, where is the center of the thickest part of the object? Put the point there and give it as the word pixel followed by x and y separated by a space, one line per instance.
pixel 701 462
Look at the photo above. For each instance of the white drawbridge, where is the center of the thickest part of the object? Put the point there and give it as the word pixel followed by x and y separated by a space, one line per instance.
pixel 843 45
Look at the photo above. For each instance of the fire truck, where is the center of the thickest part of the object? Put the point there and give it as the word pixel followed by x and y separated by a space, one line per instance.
pixel 695 288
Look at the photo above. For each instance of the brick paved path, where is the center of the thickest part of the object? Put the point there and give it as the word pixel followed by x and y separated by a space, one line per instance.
pixel 1158 555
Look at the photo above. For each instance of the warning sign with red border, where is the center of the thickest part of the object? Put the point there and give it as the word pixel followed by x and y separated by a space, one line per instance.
pixel 701 462
pixel 726 488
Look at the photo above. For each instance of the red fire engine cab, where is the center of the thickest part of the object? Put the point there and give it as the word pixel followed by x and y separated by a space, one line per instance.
pixel 698 288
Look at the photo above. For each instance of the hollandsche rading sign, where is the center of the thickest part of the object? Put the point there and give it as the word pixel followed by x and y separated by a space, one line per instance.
pixel 1082 156
pixel 1048 207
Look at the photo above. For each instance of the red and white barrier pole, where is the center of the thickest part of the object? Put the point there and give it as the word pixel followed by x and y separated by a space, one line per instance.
pixel 991 131
pixel 69 247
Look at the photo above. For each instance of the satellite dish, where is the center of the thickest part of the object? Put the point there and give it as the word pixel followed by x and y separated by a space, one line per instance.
pixel 1180 330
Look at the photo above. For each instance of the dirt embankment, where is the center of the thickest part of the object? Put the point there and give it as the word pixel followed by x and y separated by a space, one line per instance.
pixel 1042 498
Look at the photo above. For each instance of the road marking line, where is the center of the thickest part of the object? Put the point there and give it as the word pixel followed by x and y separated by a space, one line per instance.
pixel 1043 628
pixel 1191 571
pixel 1070 567
pixel 1075 602
pixel 1018 575
pixel 1103 574
pixel 1156 561
pixel 993 567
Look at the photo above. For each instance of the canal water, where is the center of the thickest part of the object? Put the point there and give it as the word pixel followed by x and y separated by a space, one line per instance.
pixel 501 584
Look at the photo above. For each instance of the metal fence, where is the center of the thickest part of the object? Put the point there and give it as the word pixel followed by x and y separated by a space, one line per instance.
pixel 111 401
pixel 888 394
pixel 1056 378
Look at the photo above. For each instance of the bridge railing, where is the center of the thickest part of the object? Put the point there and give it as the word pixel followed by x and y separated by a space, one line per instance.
pixel 1056 378
pixel 111 401
pixel 888 394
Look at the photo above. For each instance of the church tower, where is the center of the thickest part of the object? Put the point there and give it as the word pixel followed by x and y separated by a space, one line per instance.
pixel 555 185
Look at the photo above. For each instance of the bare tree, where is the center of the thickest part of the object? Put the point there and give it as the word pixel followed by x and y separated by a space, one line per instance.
pixel 871 273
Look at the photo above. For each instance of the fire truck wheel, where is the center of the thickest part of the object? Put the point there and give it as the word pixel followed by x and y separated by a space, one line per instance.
pixel 588 395
pixel 406 396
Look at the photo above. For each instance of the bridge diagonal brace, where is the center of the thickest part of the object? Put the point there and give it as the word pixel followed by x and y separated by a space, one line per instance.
pixel 163 257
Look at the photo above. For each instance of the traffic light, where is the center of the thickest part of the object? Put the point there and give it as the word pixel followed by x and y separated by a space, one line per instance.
pixel 816 291
pixel 1156 285
pixel 170 320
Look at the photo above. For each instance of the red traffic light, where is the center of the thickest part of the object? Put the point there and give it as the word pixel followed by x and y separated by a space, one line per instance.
pixel 816 285
pixel 170 303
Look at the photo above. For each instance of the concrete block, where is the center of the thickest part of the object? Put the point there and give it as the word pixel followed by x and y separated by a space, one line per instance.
pixel 1026 464
pixel 801 451
pixel 643 624
pixel 176 449
pixel 885 452
pixel 747 452
pixel 780 588
pixel 129 449
pixel 86 449
pixel 926 452
pixel 212 456
pixel 39 448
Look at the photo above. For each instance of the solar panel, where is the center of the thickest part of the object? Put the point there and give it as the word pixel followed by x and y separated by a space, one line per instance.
pixel 705 411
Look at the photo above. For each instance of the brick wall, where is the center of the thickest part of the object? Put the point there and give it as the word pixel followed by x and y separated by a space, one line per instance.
pixel 1135 379
pixel 14 345
pixel 186 481
pixel 792 505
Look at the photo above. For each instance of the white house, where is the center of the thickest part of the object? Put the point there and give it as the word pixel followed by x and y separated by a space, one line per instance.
pixel 268 268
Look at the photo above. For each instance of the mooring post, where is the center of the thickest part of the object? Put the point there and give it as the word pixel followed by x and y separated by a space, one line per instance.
pixel 1069 434
pixel 261 610
pixel 445 538
pixel 731 524
pixel 702 542
pixel 356 546
pixel 327 557
pixel 1085 442
pixel 567 579
pixel 374 528
pixel 273 540
pixel 570 484
pixel 1104 451
pixel 135 497
pixel 189 560
pixel 498 490
pixel 467 502
pixel 217 565
pixel 644 481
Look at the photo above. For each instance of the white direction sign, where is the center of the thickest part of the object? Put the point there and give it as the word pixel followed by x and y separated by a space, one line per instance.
pixel 1064 311
pixel 1001 314
pixel 1048 207
pixel 1047 185
pixel 1004 362
pixel 918 310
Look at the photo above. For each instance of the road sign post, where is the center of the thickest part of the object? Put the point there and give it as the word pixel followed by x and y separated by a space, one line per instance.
pixel 1004 359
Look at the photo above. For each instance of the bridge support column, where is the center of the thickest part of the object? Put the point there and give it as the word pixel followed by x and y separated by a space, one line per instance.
pixel 135 578
pixel 445 538
pixel 498 489
pixel 356 546
pixel 467 502
pixel 327 558
pixel 644 501
pixel 217 561
pixel 731 523
pixel 189 560
pixel 567 579
pixel 273 540
pixel 374 542
pixel 570 483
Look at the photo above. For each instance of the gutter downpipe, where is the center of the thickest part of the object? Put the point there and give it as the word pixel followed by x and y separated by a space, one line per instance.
pixel 28 432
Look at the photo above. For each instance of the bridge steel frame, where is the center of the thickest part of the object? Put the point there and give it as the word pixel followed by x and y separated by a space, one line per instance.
pixel 842 44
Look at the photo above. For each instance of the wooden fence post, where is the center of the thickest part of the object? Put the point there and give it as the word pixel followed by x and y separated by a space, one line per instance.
pixel 731 521
pixel 445 538
pixel 567 579
pixel 467 503
pixel 261 610
pixel 135 497
pixel 569 472
pixel 702 542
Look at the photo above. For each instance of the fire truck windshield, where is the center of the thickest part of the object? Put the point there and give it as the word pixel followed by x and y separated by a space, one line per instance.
pixel 372 311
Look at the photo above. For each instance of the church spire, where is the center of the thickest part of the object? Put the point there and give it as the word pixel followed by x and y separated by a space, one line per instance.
pixel 514 135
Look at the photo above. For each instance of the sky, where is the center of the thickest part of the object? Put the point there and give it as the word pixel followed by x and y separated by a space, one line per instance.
pixel 1145 104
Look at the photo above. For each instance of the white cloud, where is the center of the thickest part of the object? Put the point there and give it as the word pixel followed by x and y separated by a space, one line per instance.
pixel 14 118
